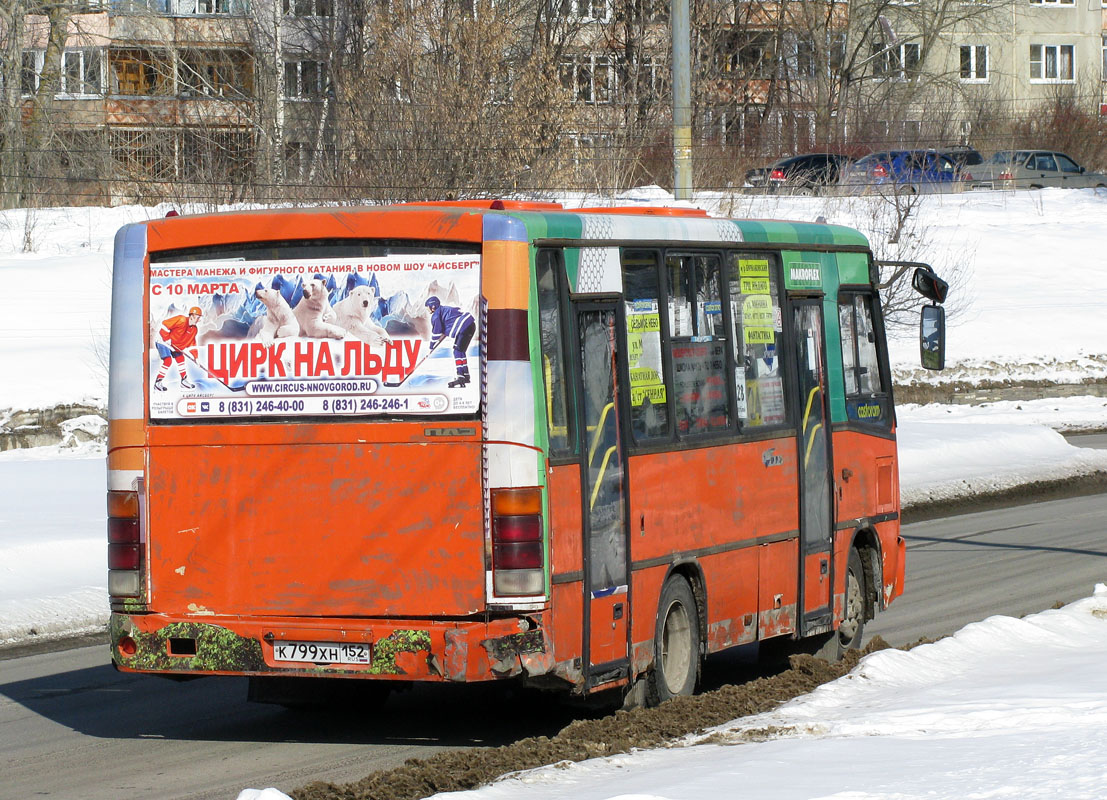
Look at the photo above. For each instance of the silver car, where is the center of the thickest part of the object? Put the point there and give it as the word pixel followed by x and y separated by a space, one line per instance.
pixel 1032 169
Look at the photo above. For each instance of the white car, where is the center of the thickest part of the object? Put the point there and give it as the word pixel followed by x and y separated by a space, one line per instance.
pixel 1032 169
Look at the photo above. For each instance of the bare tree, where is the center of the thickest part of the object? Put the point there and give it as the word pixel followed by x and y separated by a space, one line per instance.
pixel 11 127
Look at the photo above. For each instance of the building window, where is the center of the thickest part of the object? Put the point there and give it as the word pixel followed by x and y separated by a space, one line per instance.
pixel 900 62
pixel 144 154
pixel 215 73
pixel 586 10
pixel 32 69
pixel 1052 2
pixel 82 72
pixel 1105 56
pixel 646 77
pixel 590 79
pixel 974 63
pixel 219 156
pixel 750 54
pixel 803 60
pixel 139 72
pixel 309 8
pixel 195 7
pixel 644 11
pixel 304 80
pixel 1051 63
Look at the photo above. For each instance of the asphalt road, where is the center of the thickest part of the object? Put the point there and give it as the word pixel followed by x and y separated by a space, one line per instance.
pixel 1012 561
pixel 71 727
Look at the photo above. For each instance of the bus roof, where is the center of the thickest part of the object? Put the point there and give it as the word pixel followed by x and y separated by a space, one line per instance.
pixel 461 220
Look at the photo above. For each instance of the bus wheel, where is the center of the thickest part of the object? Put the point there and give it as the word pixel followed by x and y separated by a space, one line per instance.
pixel 676 643
pixel 853 620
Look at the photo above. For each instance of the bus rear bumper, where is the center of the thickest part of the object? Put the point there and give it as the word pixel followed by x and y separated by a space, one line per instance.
pixel 397 649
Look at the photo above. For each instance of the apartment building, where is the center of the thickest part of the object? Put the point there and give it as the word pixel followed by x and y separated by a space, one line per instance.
pixel 1007 60
pixel 163 93
pixel 160 94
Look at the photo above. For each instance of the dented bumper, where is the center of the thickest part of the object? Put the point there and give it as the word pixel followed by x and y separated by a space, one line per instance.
pixel 400 649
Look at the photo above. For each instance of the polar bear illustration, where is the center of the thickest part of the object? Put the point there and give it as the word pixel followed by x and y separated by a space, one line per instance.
pixel 315 314
pixel 279 322
pixel 354 316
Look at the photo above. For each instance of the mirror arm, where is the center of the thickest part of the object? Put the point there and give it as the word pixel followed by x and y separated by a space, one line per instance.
pixel 899 273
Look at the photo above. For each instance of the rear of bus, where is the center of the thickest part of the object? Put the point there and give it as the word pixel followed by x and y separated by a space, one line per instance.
pixel 302 481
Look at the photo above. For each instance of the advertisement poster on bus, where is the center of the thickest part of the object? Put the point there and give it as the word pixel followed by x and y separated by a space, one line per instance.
pixel 388 336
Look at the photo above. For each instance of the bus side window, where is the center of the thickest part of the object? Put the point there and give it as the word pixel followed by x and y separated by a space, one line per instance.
pixel 866 397
pixel 649 401
pixel 698 343
pixel 547 266
pixel 758 333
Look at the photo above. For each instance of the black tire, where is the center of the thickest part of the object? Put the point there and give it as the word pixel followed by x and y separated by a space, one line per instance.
pixel 852 628
pixel 827 646
pixel 676 644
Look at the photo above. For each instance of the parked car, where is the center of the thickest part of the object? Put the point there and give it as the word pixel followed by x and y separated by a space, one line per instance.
pixel 962 155
pixel 803 174
pixel 1033 169
pixel 909 171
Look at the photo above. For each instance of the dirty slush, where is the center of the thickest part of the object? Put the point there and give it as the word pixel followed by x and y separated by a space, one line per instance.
pixel 621 732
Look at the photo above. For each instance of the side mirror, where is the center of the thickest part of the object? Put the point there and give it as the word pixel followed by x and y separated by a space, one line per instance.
pixel 927 283
pixel 932 337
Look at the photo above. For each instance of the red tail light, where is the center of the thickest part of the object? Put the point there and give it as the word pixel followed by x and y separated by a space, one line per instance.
pixel 777 175
pixel 880 171
pixel 124 545
pixel 517 544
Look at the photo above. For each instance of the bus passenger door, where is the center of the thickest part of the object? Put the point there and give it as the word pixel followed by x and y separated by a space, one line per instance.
pixel 816 517
pixel 605 552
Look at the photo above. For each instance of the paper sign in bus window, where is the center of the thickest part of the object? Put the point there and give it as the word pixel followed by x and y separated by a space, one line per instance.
pixel 753 268
pixel 644 354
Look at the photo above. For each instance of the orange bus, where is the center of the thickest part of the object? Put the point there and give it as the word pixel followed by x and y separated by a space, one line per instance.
pixel 496 440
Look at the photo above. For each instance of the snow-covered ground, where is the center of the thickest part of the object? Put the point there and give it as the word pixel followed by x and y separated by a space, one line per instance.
pixel 1006 708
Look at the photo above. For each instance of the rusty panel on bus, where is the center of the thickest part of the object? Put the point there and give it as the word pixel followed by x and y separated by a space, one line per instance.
pixel 354 529
pixel 731 498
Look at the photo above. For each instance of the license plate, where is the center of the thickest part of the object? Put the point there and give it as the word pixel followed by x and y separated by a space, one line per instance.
pixel 322 652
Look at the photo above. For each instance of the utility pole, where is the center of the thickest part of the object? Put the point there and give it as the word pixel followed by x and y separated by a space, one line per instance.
pixel 279 89
pixel 682 101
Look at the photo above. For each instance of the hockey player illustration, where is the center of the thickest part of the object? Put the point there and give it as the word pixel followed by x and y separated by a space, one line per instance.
pixel 178 334
pixel 458 325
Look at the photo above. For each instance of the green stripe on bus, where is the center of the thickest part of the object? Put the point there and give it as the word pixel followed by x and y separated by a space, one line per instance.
pixel 799 232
